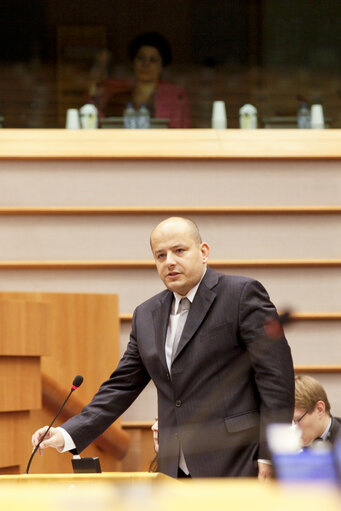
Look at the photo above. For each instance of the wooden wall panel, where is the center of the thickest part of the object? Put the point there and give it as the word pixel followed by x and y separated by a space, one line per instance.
pixel 84 339
pixel 24 327
pixel 12 439
pixel 20 383
pixel 83 328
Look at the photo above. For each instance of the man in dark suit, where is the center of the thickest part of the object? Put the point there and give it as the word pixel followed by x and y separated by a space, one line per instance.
pixel 312 412
pixel 220 378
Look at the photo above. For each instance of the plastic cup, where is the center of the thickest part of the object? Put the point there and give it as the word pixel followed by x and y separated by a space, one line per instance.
pixel 316 117
pixel 219 121
pixel 72 119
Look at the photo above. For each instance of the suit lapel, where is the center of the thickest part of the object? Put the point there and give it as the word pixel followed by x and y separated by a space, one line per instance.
pixel 201 304
pixel 160 319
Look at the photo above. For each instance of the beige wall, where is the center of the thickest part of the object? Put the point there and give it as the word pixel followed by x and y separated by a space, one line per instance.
pixel 179 183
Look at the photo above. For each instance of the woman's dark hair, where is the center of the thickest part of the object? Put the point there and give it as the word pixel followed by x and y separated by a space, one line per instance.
pixel 152 39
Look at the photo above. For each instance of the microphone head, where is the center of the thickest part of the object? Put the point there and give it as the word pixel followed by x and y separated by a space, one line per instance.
pixel 77 381
pixel 274 326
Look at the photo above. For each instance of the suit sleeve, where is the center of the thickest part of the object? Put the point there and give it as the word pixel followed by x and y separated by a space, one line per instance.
pixel 112 399
pixel 270 359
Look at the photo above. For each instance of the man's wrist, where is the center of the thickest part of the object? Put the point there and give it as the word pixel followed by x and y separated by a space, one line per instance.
pixel 266 462
pixel 69 444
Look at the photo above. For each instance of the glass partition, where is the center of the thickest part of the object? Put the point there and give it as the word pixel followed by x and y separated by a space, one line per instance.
pixel 56 55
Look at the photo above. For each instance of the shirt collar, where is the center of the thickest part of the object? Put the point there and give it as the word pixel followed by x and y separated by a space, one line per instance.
pixel 326 431
pixel 190 295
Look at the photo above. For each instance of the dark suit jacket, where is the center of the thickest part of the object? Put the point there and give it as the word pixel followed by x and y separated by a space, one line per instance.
pixel 228 379
pixel 334 432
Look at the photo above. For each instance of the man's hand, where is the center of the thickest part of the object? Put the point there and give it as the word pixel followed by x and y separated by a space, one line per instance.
pixel 265 470
pixel 155 430
pixel 54 438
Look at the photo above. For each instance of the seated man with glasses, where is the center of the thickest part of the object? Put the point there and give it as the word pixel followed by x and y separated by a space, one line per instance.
pixel 312 412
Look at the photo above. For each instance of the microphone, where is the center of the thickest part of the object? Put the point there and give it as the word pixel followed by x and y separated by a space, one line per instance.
pixel 77 382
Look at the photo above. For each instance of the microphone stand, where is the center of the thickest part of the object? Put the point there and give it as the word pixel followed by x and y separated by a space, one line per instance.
pixel 48 429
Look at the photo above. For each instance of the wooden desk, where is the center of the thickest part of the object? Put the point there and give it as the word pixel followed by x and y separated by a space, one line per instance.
pixel 169 144
pixel 66 479
pixel 134 492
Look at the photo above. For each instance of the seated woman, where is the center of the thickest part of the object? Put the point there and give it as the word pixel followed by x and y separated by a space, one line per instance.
pixel 150 53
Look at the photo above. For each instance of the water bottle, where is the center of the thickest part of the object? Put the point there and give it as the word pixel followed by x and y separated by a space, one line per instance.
pixel 129 117
pixel 303 117
pixel 89 116
pixel 143 118
pixel 248 117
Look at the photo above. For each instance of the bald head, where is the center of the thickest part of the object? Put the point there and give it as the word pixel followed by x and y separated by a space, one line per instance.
pixel 186 223
pixel 179 253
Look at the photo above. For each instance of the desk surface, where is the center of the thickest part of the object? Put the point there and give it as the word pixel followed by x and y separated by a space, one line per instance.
pixel 134 492
pixel 169 144
pixel 117 477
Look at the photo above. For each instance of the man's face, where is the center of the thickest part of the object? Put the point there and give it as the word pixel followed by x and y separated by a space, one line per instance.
pixel 311 424
pixel 180 259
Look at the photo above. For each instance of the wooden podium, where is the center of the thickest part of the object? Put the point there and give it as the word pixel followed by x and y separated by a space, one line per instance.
pixel 53 337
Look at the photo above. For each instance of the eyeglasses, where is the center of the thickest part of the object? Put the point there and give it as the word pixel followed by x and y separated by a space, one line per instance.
pixel 296 421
